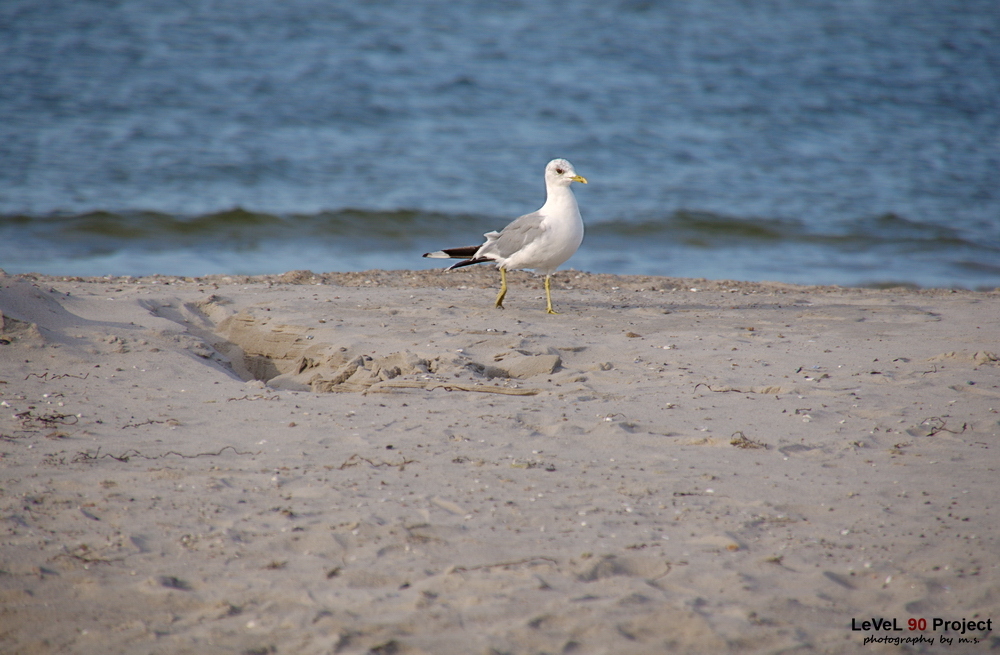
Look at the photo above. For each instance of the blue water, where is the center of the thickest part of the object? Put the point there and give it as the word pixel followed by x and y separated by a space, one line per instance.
pixel 852 142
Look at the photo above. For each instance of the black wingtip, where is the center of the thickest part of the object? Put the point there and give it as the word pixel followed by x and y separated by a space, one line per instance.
pixel 465 252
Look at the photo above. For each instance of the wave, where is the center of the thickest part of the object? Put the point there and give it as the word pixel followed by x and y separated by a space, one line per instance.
pixel 697 229
pixel 689 228
pixel 684 242
pixel 236 225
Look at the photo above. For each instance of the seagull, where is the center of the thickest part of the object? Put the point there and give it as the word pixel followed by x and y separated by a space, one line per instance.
pixel 542 240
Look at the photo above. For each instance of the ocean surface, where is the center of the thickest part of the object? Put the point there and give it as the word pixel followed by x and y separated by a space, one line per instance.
pixel 854 142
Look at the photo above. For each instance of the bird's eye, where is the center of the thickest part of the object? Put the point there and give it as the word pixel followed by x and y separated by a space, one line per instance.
pixel 560 171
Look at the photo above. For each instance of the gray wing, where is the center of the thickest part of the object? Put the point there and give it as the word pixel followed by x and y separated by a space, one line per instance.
pixel 514 237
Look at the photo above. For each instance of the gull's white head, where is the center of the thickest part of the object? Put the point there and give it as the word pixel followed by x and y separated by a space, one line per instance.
pixel 560 172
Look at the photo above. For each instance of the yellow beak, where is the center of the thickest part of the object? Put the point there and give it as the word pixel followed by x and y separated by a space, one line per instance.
pixel 579 178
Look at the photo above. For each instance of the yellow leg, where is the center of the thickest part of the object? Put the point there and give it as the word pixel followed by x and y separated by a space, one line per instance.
pixel 503 287
pixel 548 296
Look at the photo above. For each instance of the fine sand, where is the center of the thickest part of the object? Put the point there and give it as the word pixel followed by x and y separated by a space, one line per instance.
pixel 382 462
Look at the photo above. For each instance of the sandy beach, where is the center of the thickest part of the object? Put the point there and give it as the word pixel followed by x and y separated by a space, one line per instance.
pixel 381 462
